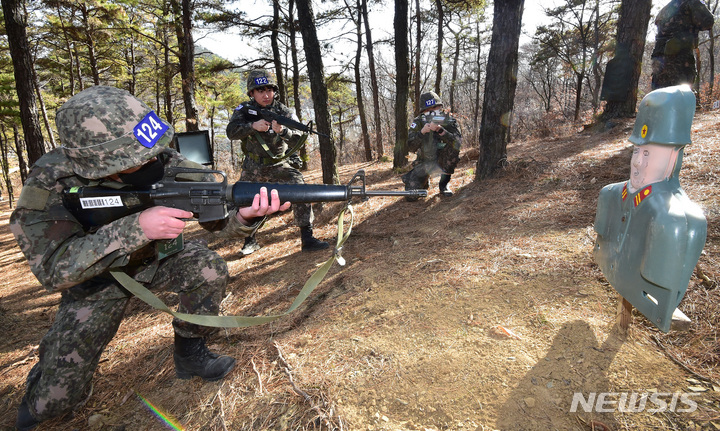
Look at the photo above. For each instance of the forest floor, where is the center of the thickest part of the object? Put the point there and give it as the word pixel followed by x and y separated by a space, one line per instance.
pixel 481 311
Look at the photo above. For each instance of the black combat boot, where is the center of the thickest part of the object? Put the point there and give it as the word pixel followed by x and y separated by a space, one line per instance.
pixel 406 181
pixel 251 245
pixel 443 185
pixel 309 242
pixel 25 420
pixel 192 358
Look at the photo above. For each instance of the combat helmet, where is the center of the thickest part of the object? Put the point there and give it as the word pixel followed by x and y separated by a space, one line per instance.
pixel 260 78
pixel 665 117
pixel 106 130
pixel 429 100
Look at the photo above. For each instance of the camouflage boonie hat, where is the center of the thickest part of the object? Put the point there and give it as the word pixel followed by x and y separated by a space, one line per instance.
pixel 260 78
pixel 106 130
pixel 665 117
pixel 429 100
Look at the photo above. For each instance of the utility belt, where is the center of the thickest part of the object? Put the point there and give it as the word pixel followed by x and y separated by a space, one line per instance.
pixel 267 161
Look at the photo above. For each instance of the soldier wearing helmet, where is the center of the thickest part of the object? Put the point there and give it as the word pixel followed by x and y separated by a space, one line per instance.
pixel 435 136
pixel 113 139
pixel 268 148
pixel 649 234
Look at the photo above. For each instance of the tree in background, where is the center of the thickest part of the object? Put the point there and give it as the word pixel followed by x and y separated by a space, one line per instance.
pixel 373 82
pixel 9 116
pixel 577 34
pixel 365 135
pixel 623 72
pixel 318 86
pixel 500 83
pixel 402 81
pixel 15 23
pixel 134 45
pixel 344 112
pixel 710 52
pixel 186 54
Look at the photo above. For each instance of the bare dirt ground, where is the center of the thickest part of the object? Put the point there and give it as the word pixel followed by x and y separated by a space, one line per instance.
pixel 478 312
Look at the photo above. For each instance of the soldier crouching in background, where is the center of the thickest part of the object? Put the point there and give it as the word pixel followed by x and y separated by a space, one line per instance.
pixel 435 135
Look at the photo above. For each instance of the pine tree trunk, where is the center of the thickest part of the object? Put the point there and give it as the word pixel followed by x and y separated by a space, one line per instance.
pixel 500 84
pixel 358 85
pixel 328 154
pixel 402 89
pixel 186 47
pixel 438 54
pixel 15 23
pixel 274 33
pixel 296 77
pixel 373 83
pixel 631 30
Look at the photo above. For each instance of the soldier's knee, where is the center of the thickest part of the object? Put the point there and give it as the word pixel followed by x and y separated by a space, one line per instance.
pixel 61 399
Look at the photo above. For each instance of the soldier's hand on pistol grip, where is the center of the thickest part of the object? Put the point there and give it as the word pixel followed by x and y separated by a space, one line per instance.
pixel 163 222
pixel 261 125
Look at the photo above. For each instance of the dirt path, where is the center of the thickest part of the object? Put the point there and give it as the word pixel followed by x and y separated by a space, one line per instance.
pixel 482 311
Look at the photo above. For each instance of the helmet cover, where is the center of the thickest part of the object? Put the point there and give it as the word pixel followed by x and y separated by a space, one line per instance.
pixel 106 130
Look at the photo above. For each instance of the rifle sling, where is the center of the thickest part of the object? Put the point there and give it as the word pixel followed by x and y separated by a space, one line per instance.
pixel 271 160
pixel 149 298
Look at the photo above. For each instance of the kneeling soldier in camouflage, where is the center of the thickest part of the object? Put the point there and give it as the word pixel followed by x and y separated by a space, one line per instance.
pixel 435 135
pixel 111 138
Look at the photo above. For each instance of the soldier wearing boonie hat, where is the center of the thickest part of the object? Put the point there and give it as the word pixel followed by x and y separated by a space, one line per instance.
pixel 111 138
pixel 97 130
pixel 435 136
pixel 267 146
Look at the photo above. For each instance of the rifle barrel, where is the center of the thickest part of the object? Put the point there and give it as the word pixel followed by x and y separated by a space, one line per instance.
pixel 411 193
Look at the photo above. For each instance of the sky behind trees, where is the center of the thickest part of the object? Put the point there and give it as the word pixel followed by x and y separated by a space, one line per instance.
pixel 230 44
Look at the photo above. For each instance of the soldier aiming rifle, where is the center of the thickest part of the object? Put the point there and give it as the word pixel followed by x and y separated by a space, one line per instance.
pixel 270 150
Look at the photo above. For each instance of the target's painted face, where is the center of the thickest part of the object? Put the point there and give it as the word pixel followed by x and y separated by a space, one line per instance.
pixel 651 163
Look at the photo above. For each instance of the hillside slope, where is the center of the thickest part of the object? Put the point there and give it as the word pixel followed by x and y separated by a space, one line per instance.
pixel 477 312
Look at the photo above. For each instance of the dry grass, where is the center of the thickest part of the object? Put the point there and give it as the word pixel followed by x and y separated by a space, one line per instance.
pixel 483 311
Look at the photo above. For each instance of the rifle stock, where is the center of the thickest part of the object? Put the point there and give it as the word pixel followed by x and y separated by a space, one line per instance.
pixel 207 200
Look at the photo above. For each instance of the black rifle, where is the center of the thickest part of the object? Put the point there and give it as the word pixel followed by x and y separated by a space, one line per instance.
pixel 208 200
pixel 254 115
pixel 441 119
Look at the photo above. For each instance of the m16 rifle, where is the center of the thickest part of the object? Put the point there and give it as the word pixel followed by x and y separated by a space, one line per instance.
pixel 441 119
pixel 253 115
pixel 209 201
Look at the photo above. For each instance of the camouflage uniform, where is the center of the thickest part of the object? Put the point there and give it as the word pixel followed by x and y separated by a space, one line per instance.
pixel 265 153
pixel 65 257
pixel 435 152
pixel 258 164
pixel 673 58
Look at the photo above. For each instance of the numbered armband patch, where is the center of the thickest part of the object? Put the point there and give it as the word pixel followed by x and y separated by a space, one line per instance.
pixel 149 130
